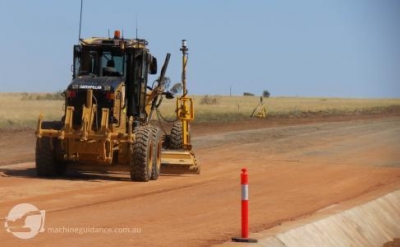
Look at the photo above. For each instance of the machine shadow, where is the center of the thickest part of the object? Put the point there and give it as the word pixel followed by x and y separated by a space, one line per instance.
pixel 71 175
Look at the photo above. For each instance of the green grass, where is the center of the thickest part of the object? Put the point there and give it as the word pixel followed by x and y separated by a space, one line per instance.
pixel 21 110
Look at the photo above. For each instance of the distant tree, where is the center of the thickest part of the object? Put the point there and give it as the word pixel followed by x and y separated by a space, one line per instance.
pixel 248 94
pixel 266 94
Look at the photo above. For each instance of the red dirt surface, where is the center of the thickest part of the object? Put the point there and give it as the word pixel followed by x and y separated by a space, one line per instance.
pixel 296 167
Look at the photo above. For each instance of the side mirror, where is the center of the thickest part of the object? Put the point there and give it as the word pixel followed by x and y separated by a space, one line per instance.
pixel 169 95
pixel 153 66
pixel 176 88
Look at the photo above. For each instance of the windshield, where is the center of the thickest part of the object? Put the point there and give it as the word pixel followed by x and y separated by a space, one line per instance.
pixel 99 63
pixel 112 64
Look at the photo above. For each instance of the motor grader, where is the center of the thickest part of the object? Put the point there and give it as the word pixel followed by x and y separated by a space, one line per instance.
pixel 107 115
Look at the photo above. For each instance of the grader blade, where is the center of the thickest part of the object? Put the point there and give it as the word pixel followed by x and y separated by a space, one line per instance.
pixel 179 162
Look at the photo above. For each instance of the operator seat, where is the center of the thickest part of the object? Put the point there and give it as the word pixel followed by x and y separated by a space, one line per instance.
pixel 110 70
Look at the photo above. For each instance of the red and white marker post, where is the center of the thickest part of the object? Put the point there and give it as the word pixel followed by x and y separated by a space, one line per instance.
pixel 244 182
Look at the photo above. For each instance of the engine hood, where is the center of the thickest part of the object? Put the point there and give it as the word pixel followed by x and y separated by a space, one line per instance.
pixel 96 83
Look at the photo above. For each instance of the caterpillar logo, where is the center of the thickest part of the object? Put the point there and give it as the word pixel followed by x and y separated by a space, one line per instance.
pixel 94 87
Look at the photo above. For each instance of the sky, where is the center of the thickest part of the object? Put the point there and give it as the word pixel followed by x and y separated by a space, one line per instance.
pixel 308 48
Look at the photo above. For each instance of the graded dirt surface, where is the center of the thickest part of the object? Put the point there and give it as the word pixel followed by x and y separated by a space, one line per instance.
pixel 296 168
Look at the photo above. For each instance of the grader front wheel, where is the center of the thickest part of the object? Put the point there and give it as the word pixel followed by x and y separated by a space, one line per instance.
pixel 157 146
pixel 48 163
pixel 176 137
pixel 142 155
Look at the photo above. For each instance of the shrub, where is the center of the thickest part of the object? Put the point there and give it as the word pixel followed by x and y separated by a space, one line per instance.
pixel 47 96
pixel 266 94
pixel 208 100
pixel 248 94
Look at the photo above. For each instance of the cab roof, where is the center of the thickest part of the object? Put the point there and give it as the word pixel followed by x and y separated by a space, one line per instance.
pixel 126 43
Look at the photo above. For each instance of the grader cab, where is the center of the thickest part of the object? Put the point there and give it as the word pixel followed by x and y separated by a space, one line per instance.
pixel 108 108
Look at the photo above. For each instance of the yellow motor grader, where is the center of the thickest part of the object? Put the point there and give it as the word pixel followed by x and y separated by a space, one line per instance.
pixel 108 107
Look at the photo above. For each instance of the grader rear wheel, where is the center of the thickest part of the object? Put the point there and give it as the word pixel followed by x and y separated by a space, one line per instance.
pixel 142 155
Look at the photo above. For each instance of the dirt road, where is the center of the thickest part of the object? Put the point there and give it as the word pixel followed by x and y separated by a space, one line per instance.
pixel 295 170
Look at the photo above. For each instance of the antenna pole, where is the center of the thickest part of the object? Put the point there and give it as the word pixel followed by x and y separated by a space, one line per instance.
pixel 136 28
pixel 80 20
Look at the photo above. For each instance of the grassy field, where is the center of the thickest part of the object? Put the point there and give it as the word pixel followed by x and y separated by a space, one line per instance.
pixel 225 108
pixel 18 110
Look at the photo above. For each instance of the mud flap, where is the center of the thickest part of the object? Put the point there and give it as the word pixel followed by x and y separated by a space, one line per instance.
pixel 179 162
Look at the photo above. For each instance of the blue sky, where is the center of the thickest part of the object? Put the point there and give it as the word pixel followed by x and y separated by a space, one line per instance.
pixel 313 48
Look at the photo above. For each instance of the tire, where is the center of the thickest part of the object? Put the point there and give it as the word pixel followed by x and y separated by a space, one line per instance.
pixel 157 147
pixel 176 137
pixel 142 155
pixel 48 154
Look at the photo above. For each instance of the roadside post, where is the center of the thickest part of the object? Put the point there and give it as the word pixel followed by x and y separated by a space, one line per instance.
pixel 244 183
